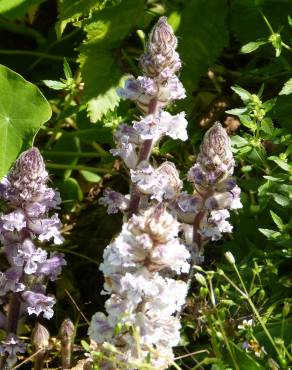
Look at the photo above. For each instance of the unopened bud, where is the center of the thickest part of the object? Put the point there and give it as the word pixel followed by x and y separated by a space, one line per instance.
pixel 200 279
pixel 162 34
pixel 230 258
pixel 66 335
pixel 67 330
pixel 40 337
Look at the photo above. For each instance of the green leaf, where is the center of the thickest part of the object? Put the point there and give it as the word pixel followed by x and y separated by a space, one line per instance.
pixel 287 88
pixel 246 121
pixel 23 110
pixel 284 165
pixel 289 20
pixel 236 111
pixel 72 10
pixel 244 94
pixel 67 69
pixel 70 192
pixel 16 8
pixel 202 34
pixel 238 141
pixel 280 199
pixel 70 143
pixel 252 46
pixel 55 85
pixel 267 125
pixel 105 30
pixel 90 176
pixel 270 234
pixel 277 219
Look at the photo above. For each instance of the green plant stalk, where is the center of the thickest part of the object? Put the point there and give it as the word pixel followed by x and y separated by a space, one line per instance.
pixel 246 295
pixel 74 154
pixel 77 167
pixel 35 54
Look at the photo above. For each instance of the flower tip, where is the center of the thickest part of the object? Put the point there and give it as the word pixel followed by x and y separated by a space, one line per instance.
pixel 230 258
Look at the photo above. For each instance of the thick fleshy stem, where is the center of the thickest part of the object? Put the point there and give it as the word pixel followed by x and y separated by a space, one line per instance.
pixel 66 335
pixel 144 154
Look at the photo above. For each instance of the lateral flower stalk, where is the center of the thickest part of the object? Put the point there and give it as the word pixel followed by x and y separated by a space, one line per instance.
pixel 24 225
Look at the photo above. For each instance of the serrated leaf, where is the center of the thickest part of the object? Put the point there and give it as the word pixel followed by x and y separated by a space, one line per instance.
pixel 67 69
pixel 203 34
pixel 90 176
pixel 23 110
pixel 277 219
pixel 236 111
pixel 287 88
pixel 244 94
pixel 252 46
pixel 284 165
pixel 272 178
pixel 238 141
pixel 55 85
pixel 16 8
pixel 267 125
pixel 246 121
pixel 280 199
pixel 105 30
pixel 270 234
pixel 72 10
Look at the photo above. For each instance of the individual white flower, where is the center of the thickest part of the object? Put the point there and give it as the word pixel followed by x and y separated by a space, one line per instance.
pixel 173 126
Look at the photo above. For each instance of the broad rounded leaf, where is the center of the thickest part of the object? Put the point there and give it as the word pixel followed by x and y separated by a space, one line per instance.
pixel 23 110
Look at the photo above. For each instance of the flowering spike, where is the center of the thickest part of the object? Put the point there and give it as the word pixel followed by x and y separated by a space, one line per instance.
pixel 29 201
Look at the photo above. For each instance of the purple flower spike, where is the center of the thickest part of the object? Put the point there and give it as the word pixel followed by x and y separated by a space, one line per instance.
pixel 27 223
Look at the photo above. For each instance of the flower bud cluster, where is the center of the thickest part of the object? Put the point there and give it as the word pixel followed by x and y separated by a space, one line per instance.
pixel 158 87
pixel 25 223
pixel 138 267
pixel 216 191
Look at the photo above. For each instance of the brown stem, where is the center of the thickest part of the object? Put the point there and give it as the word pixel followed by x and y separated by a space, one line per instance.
pixel 144 154
pixel 13 313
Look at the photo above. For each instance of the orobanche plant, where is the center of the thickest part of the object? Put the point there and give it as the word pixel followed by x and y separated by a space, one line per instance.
pixel 23 226
pixel 147 266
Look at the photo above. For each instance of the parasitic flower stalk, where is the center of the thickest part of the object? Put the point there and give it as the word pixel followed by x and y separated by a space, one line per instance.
pixel 152 92
pixel 26 223
pixel 206 212
pixel 142 264
pixel 140 323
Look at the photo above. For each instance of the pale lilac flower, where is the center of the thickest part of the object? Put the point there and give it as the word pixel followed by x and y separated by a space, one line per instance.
pixel 29 257
pixel 11 346
pixel 37 303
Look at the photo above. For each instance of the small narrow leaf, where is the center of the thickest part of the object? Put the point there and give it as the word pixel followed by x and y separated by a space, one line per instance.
pixel 67 70
pixel 284 165
pixel 55 85
pixel 90 176
pixel 244 94
pixel 252 46
pixel 270 234
pixel 287 88
pixel 267 125
pixel 277 219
